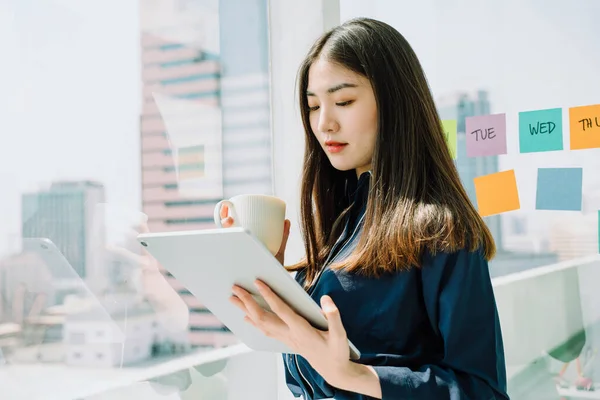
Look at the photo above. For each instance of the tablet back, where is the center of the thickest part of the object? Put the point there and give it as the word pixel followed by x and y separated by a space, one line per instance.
pixel 209 262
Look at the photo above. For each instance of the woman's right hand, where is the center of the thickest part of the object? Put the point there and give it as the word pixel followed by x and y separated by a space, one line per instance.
pixel 227 222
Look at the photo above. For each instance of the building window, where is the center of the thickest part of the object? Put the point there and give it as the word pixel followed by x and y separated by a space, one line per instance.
pixel 189 78
pixel 189 221
pixel 185 203
pixel 209 329
pixel 177 63
pixel 198 95
pixel 185 167
pixel 172 46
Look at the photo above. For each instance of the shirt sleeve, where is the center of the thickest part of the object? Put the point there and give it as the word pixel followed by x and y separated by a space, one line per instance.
pixel 460 304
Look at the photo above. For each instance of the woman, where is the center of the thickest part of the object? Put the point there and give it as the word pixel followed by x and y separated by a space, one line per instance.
pixel 395 252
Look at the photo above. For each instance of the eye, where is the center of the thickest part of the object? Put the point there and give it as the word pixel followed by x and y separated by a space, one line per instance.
pixel 314 108
pixel 344 103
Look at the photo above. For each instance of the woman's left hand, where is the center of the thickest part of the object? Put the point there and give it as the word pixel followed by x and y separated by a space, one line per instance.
pixel 326 351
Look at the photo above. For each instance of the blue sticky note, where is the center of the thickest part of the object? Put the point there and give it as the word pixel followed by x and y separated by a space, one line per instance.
pixel 540 130
pixel 559 189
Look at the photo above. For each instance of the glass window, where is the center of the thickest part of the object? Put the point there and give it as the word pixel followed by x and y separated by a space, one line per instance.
pixel 483 59
pixel 116 128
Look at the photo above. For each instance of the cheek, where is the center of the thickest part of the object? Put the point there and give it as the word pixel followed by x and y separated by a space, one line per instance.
pixel 371 128
pixel 314 123
pixel 366 128
pixel 374 121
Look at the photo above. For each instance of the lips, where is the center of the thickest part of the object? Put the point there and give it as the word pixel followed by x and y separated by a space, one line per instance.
pixel 335 147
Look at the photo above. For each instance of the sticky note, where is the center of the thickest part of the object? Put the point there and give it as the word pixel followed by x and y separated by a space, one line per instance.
pixel 486 135
pixel 449 126
pixel 559 189
pixel 584 123
pixel 540 130
pixel 497 193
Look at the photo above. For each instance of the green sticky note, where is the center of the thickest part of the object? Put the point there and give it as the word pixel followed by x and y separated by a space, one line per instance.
pixel 540 130
pixel 449 126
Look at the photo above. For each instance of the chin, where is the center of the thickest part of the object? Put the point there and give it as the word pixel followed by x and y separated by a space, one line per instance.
pixel 343 166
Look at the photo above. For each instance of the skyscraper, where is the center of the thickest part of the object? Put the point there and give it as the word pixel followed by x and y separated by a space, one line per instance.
pixel 459 106
pixel 65 214
pixel 244 56
pixel 205 124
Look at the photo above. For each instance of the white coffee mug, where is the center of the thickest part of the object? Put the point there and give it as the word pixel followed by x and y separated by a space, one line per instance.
pixel 262 215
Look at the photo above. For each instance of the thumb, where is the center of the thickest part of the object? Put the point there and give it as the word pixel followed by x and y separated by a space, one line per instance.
pixel 334 320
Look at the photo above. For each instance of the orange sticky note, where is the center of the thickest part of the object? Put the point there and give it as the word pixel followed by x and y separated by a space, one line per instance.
pixel 497 193
pixel 585 127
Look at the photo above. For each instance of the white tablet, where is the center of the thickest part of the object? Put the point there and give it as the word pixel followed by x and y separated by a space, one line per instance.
pixel 209 262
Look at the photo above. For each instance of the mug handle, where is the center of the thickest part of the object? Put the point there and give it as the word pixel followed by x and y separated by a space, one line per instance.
pixel 217 212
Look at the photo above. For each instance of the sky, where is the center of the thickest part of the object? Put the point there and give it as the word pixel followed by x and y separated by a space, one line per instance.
pixel 70 100
pixel 70 78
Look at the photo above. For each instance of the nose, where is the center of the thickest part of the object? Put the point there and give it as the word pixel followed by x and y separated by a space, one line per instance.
pixel 327 122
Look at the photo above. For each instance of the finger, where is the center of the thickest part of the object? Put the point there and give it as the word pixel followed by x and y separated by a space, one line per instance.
pixel 334 320
pixel 238 303
pixel 280 307
pixel 227 222
pixel 265 319
pixel 286 235
pixel 249 320
pixel 224 211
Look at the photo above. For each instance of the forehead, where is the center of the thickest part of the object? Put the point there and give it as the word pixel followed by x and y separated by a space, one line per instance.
pixel 324 74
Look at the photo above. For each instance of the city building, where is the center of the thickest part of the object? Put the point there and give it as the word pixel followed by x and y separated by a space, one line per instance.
pixel 64 213
pixel 205 123
pixel 103 337
pixel 245 97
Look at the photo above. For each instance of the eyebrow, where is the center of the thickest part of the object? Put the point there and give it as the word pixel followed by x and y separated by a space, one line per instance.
pixel 335 88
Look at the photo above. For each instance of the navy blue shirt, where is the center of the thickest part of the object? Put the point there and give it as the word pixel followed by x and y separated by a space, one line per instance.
pixel 430 333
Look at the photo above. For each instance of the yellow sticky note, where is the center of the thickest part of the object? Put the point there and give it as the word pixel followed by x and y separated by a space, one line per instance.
pixel 497 193
pixel 585 127
pixel 449 126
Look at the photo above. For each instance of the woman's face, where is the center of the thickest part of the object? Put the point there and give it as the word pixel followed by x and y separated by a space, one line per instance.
pixel 343 115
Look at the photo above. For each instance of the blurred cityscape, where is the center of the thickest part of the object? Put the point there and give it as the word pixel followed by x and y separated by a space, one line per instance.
pixel 77 292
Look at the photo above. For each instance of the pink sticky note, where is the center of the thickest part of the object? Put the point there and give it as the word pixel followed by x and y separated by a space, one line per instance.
pixel 486 135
